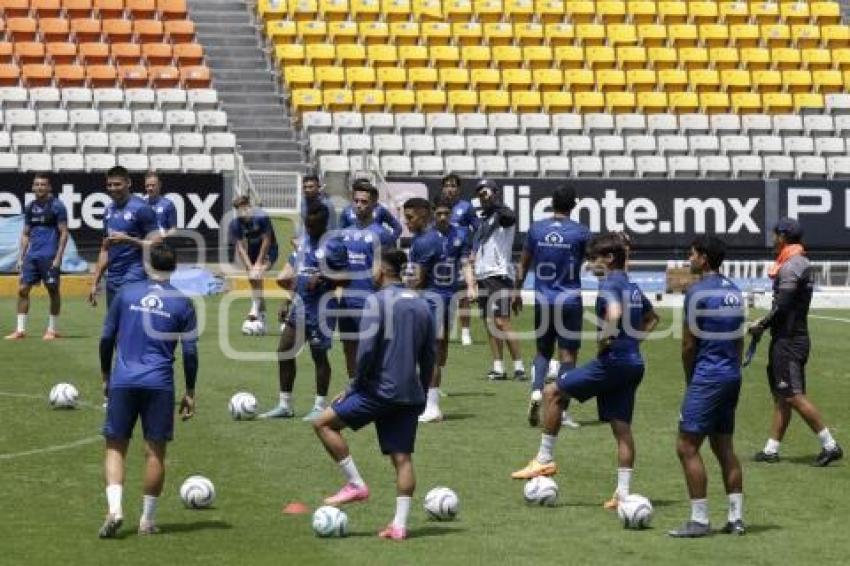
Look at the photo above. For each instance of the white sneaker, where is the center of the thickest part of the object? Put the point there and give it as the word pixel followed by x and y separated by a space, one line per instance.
pixel 567 420
pixel 431 415
pixel 465 337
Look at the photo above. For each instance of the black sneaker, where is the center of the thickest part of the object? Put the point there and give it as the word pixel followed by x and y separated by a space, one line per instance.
pixel 768 457
pixel 519 375
pixel 533 413
pixel 827 456
pixel 110 527
pixel 691 529
pixel 734 528
pixel 494 375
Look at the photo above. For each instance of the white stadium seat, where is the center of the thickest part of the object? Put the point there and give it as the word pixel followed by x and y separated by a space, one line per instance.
pixel 347 122
pixel 36 162
pixel 830 146
pixel 690 124
pixel 555 165
pixel 355 143
pixel 725 124
pixel 767 145
pixel 460 164
pixel 640 145
pixel 27 141
pixel 752 124
pixel 149 120
pixel 838 167
pixel 20 119
pixel 53 119
pixel 747 167
pixel 660 124
pixel 450 144
pixel 172 99
pixel 523 165
pixel 441 123
pixel 379 123
pixel 608 145
pixel 544 144
pixel 472 123
pixel 651 166
pixel 513 144
pixel 837 103
pixel 596 124
pixel 619 166
pixel 672 144
pixel 387 144
pixel 333 164
pixel 196 162
pixel 576 145
pixel 491 165
pixel 787 124
pixel 108 98
pixel 44 97
pixel 212 120
pixel 158 143
pixel 316 122
pixel 818 125
pixel 798 145
pixel 503 123
pixel 224 162
pixel 321 144
pixel 188 142
pixel 410 123
pixel 715 166
pixel 84 119
pixel 778 166
pixel 93 142
pixel 165 162
pixel 5 141
pixel 842 125
pixel 9 161
pixel 396 165
pixel 220 142
pixel 180 120
pixel 630 124
pixel 136 98
pixel 125 142
pixel 13 97
pixel 587 166
pixel 683 166
pixel 481 144
pixel 116 120
pixel 700 145
pixel 567 124
pixel 77 97
pixel 203 98
pixel 61 142
pixel 68 162
pixel 810 167
pixel 428 165
pixel 100 161
pixel 735 145
pixel 419 144
pixel 535 123
pixel 134 161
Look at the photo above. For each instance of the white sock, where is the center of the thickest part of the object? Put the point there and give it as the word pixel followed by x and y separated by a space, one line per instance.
pixel 554 367
pixel 255 307
pixel 114 493
pixel 624 480
pixel 498 366
pixel 22 323
pixel 319 402
pixel 465 332
pixel 149 508
pixel 736 507
pixel 518 365
pixel 826 440
pixel 537 395
pixel 402 510
pixel 285 400
pixel 52 321
pixel 350 471
pixel 699 511
pixel 434 397
pixel 771 446
pixel 547 446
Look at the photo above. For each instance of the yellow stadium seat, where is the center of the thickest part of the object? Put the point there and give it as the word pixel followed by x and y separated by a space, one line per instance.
pixel 701 12
pixel 828 81
pixel 360 77
pixel 631 57
pixel 431 100
pixel 735 80
pixel 413 55
pixel 723 57
pixel 320 53
pixel 641 80
pixel 445 56
pixel 365 10
pixel 369 100
pixel 333 10
pixel 805 35
pixel 557 102
pixel 622 34
pixel 488 10
pixel 754 58
pixel 468 33
pixel 494 101
pixel 550 10
pixel 526 101
pixel 767 81
pixel 714 102
pixel 825 13
pixel 457 10
pixel 807 101
pixel 580 11
pixel 652 35
pixel 519 10
pixel 547 79
pixel 485 79
pixel 338 99
pixel 597 57
pixel 579 80
pixel 454 78
pixel 329 76
pixel 672 79
pixel 400 100
pixel 841 58
pixel 662 57
pixel 342 32
pixel 734 11
pixel 835 36
pixel 498 33
pixel 777 102
pixel 744 35
pixel 528 33
pixel 652 102
pixel 714 35
pixel 507 56
pixel 611 80
pixel 396 10
pixel 846 80
pixel 794 12
pixel 591 34
pixel 281 31
pixel 764 12
pixel 404 33
pixel 436 33
pixel 351 55
pixel 797 81
pixel 306 99
pixel 683 102
pixel 693 57
pixel 775 35
pixel 516 79
pixel 816 58
pixel 374 32
pixel 422 78
pixel 619 102
pixel 426 10
pixel 290 54
pixel 391 77
pixel 746 102
pixel 682 35
pixel 559 34
pixel 642 11
pixel 270 10
pixel 300 10
pixel 475 56
pixel 463 101
pixel 569 57
pixel 589 101
pixel 537 56
pixel 611 11
pixel 785 58
pixel 382 55
pixel 704 80
pixel 298 76
pixel 312 31
pixel 672 12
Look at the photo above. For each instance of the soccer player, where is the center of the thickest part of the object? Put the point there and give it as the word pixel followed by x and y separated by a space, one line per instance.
pixel 146 320
pixel 40 253
pixel 793 285
pixel 624 316
pixel 395 362
pixel 554 252
pixel 310 274
pixel 712 344
pixel 466 221
pixel 438 259
pixel 312 192
pixel 364 240
pixel 129 225
pixel 492 246
pixel 380 214
pixel 253 237
pixel 163 208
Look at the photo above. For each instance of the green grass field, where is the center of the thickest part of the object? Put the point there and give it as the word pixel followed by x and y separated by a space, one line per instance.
pixel 53 503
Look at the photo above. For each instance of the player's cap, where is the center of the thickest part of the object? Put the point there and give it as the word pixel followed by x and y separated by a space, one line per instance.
pixel 788 227
pixel 486 184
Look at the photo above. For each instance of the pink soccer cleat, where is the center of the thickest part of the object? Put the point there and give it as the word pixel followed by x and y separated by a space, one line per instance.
pixel 16 335
pixel 348 494
pixel 393 533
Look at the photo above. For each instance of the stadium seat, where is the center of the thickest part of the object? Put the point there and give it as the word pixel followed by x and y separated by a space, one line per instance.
pixel 829 146
pixel 732 145
pixel 180 120
pixel 324 143
pixel 125 142
pixel 196 162
pixel 317 122
pixel 837 166
pixel 20 118
pixel 378 122
pixel 630 123
pixel 93 142
pixel 61 142
pixel 701 145
pixel 544 144
pixel 220 142
pixel 441 123
pixel 450 144
pixel 567 124
pixel 333 164
pixel 658 124
pixel 355 143
pixel 638 145
pixel 810 167
pixel 212 120
pixel 715 166
pixel 164 162
pixel 68 162
pixel 481 144
pixel 683 166
pixel 27 141
pixel 114 120
pixel 431 165
pixel 535 123
pixel 587 166
pixel 410 123
pixel 460 164
pixel 9 162
pixel 158 143
pixel 523 165
pixel 576 145
pixel 512 144
pixel 672 145
pixel 74 97
pixel 747 167
pixel 752 124
pixel 396 165
pixel 608 145
pixel 147 120
pixel 491 165
pixel 35 162
pixel 224 162
pixel 53 119
pixel 779 167
pixel 347 122
pixel 137 98
pixel 387 144
pixel 651 166
pixel 767 145
pixel 555 166
pixel 798 145
pixel 619 166
pixel 503 123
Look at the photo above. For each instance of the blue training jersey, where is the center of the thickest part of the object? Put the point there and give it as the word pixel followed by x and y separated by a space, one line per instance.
pixel 463 216
pixel 134 218
pixel 714 311
pixel 252 229
pixel 382 216
pixel 314 258
pixel 43 220
pixel 556 247
pixel 165 211
pixel 615 288
pixel 325 201
pixel 440 256
pixel 361 245
pixel 148 318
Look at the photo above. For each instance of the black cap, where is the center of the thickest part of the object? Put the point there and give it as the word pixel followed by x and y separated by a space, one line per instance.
pixel 486 184
pixel 789 227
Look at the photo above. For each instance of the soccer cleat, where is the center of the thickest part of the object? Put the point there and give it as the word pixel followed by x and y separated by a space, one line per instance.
pixel 613 503
pixel 313 414
pixel 110 527
pixel 768 457
pixel 349 493
pixel 691 529
pixel 51 335
pixel 393 533
pixel 279 412
pixel 734 528
pixel 494 375
pixel 16 335
pixel 567 421
pixel 533 413
pixel 431 415
pixel 148 528
pixel 519 375
pixel 827 456
pixel 534 469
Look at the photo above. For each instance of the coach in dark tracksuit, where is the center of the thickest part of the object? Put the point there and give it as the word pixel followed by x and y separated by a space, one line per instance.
pixel 793 285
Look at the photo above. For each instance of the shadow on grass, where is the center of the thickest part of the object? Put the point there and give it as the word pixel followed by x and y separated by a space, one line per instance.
pixel 805 461
pixel 758 529
pixel 176 528
pixel 458 416
pixel 472 394
pixel 431 530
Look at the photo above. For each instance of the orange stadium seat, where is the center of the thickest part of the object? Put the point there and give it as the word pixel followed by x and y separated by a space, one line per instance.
pixel 10 74
pixel 62 52
pixel 68 75
pixel 141 9
pixel 22 28
pixel 16 8
pixel 133 76
pixel 86 29
pixel 28 52
pixel 94 53
pixel 45 8
pixel 164 76
pixel 77 8
pixel 118 30
pixel 195 76
pixel 37 74
pixel 157 53
pixel 101 75
pixel 109 8
pixel 54 29
pixel 188 54
pixel 126 53
pixel 180 31
pixel 172 9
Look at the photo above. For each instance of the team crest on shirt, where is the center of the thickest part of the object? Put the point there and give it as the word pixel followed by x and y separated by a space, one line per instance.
pixel 159 210
pixel 151 304
pixel 128 216
pixel 554 239
pixel 320 253
pixel 367 238
pixel 731 300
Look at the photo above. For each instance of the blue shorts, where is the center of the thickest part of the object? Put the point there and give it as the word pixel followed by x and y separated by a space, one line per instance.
pixel 317 334
pixel 395 424
pixel 709 408
pixel 37 269
pixel 442 311
pixel 613 384
pixel 126 404
pixel 114 284
pixel 561 323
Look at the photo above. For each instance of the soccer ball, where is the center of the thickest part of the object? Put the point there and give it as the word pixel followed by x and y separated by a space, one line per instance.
pixel 243 406
pixel 253 328
pixel 197 492
pixel 541 491
pixel 441 503
pixel 635 511
pixel 63 396
pixel 330 522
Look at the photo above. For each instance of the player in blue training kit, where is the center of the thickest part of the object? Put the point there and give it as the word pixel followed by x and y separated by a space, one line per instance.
pixel 554 253
pixel 712 344
pixel 624 316
pixel 312 273
pixel 438 257
pixel 311 190
pixel 466 221
pixel 364 241
pixel 163 208
pixel 129 224
pixel 255 245
pixel 40 252
pixel 380 214
pixel 395 363
pixel 146 320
